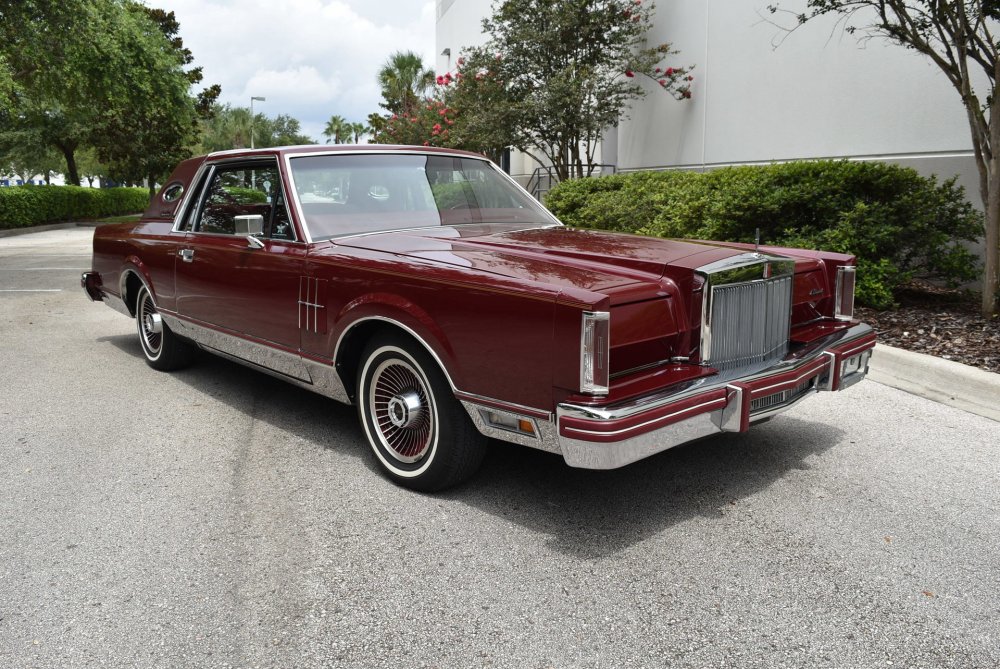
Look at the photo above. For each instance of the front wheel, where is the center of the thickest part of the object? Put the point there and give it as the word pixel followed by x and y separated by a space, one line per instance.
pixel 420 434
pixel 162 349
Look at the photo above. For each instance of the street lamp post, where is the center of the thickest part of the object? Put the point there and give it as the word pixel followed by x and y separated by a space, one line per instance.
pixel 259 99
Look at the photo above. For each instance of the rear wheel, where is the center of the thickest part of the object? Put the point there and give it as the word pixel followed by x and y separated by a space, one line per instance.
pixel 420 434
pixel 162 349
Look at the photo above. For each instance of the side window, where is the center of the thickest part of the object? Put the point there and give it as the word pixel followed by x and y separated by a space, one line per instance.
pixel 244 190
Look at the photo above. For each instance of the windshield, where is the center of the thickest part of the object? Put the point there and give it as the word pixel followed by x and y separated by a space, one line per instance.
pixel 359 193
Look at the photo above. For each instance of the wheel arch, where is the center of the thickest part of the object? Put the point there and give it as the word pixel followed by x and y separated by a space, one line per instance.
pixel 133 277
pixel 352 341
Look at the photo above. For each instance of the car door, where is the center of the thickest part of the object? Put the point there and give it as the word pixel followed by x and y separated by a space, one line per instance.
pixel 245 291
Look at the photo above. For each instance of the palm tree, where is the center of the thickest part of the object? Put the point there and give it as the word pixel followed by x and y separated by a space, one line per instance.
pixel 359 130
pixel 337 129
pixel 404 80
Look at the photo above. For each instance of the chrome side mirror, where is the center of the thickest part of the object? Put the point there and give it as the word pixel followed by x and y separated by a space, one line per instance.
pixel 250 226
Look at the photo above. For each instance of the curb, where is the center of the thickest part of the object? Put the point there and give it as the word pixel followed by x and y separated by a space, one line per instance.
pixel 944 381
pixel 13 232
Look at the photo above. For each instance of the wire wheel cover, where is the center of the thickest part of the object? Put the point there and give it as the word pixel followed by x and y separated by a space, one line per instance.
pixel 149 328
pixel 403 416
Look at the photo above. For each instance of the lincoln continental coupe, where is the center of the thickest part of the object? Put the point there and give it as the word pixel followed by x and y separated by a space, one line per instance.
pixel 427 288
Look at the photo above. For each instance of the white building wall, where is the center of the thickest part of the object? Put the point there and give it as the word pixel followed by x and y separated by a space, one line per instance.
pixel 820 94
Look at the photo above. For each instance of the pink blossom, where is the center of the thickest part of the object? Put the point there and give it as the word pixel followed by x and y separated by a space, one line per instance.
pixel 669 72
pixel 461 61
pixel 657 70
pixel 629 73
pixel 437 126
pixel 663 82
pixel 426 143
pixel 440 80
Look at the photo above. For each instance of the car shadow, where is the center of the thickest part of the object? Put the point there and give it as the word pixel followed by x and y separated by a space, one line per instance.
pixel 591 514
pixel 585 513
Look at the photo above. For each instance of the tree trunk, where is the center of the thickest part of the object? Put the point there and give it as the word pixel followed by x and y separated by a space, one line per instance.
pixel 72 174
pixel 992 269
pixel 992 203
pixel 152 187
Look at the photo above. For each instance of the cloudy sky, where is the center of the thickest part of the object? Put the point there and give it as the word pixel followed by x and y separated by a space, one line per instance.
pixel 310 58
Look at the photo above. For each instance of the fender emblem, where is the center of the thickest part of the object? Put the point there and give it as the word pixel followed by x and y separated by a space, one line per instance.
pixel 312 294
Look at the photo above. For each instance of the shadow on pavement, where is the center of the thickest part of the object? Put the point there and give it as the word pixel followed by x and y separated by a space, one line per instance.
pixel 586 513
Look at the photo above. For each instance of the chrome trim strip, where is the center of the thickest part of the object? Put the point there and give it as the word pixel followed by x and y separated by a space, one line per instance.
pixel 598 433
pixel 547 439
pixel 503 405
pixel 258 354
pixel 340 339
pixel 190 193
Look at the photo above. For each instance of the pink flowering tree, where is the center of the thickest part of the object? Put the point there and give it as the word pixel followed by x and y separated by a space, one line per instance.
pixel 561 72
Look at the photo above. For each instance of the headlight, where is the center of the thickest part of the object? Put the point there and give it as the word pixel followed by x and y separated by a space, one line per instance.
pixel 595 343
pixel 844 307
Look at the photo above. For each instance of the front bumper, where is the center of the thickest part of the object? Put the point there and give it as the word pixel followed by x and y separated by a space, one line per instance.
pixel 606 437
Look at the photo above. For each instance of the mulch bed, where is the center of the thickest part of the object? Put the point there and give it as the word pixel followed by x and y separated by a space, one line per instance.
pixel 939 322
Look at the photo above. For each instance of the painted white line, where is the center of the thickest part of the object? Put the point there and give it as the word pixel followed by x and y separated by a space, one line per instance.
pixel 37 269
pixel 30 290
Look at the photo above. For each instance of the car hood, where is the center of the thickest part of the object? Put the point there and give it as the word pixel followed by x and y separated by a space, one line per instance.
pixel 591 260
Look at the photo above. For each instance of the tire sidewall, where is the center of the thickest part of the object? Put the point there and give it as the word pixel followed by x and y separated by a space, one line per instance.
pixel 150 357
pixel 395 467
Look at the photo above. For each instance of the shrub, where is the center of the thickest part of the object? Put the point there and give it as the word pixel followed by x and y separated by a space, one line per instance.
pixel 899 224
pixel 24 206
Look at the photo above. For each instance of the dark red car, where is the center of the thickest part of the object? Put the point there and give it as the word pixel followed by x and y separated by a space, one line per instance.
pixel 434 293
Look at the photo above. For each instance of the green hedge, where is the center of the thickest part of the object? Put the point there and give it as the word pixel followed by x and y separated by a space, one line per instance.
pixel 23 206
pixel 899 224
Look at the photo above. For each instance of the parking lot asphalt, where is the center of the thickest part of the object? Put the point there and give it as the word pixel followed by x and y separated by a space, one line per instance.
pixel 216 517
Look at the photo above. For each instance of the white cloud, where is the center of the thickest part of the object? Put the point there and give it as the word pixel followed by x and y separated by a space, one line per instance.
pixel 310 58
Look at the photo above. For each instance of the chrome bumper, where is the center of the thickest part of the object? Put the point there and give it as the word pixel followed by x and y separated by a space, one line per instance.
pixel 607 437
pixel 91 284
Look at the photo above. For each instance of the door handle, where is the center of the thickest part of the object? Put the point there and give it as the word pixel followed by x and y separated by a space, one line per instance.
pixel 187 255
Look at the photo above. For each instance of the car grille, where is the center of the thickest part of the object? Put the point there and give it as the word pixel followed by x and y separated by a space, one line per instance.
pixel 775 400
pixel 747 322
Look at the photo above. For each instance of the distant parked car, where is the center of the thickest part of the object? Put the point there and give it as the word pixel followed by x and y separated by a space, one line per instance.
pixel 430 290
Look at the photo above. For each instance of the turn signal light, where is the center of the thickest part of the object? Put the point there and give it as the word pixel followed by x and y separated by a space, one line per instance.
pixel 844 307
pixel 595 344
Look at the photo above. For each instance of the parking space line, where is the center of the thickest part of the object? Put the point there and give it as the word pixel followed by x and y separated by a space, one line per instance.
pixel 31 290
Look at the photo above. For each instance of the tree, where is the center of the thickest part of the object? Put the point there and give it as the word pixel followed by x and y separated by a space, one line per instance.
pixel 560 72
pixel 103 73
pixel 284 130
pixel 962 38
pixel 404 81
pixel 337 129
pixel 359 130
pixel 229 128
pixel 24 153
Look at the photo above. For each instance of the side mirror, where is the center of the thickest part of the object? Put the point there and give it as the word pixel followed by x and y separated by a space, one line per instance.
pixel 250 226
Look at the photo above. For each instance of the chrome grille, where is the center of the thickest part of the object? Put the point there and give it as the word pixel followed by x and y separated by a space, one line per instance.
pixel 779 399
pixel 746 322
